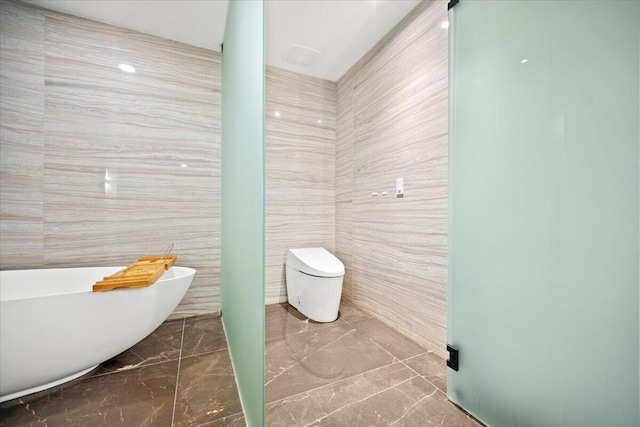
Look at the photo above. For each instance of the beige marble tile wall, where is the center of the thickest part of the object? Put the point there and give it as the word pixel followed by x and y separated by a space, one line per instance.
pixel 344 177
pixel 300 159
pixel 100 166
pixel 21 135
pixel 392 122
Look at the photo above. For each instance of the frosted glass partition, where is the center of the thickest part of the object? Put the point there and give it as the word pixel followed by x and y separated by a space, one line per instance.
pixel 243 77
pixel 544 222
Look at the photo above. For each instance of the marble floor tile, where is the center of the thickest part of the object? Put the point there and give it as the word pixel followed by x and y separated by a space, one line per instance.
pixel 350 313
pixel 206 389
pixel 396 405
pixel 431 367
pixel 414 402
pixel 300 362
pixel 203 334
pixel 390 395
pixel 135 397
pixel 308 407
pixel 392 341
pixel 356 372
pixel 283 319
pixel 439 411
pixel 161 345
pixel 285 352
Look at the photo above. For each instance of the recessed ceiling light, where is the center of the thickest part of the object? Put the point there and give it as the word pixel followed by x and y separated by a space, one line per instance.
pixel 524 61
pixel 444 25
pixel 277 114
pixel 183 165
pixel 127 68
pixel 319 121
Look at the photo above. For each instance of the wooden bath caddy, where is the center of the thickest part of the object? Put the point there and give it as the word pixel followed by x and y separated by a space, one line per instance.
pixel 140 274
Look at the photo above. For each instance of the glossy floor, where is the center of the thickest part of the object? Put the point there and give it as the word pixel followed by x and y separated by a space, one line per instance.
pixel 353 372
pixel 180 375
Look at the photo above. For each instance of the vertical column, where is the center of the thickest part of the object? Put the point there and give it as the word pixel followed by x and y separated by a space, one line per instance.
pixel 242 239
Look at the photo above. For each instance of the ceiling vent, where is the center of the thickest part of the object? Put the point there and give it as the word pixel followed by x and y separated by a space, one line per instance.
pixel 301 55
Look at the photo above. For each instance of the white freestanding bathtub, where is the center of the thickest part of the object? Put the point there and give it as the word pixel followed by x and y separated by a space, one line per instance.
pixel 53 328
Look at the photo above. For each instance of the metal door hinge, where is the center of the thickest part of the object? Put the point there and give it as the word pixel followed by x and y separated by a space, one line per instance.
pixel 453 358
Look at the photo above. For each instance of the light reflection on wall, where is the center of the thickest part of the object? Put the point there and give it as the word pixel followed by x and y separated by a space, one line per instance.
pixel 110 184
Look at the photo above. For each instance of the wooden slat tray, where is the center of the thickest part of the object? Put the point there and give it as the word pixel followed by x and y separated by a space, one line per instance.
pixel 142 273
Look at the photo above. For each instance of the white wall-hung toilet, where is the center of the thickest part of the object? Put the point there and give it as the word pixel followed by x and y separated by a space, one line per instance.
pixel 314 283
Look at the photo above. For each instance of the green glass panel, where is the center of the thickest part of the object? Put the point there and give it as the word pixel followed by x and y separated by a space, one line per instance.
pixel 243 98
pixel 544 212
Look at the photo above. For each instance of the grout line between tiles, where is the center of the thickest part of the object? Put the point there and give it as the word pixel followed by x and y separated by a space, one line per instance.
pixel 410 368
pixel 416 403
pixel 394 356
pixel 332 383
pixel 424 378
pixel 175 394
pixel 205 352
pixel 320 327
pixel 417 355
pixel 362 400
pixel 208 423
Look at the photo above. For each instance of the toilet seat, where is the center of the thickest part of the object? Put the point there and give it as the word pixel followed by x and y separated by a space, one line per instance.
pixel 316 262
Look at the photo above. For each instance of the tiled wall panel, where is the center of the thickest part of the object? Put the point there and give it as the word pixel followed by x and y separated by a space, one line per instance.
pixel 392 122
pixel 21 135
pixel 103 181
pixel 300 171
pixel 344 176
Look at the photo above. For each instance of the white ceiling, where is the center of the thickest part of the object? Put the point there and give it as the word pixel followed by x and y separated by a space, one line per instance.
pixel 342 30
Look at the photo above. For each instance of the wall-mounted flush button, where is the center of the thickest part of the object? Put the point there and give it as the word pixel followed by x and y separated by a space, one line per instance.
pixel 399 187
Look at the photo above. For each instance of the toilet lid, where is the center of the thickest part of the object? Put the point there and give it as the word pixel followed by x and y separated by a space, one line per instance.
pixel 315 262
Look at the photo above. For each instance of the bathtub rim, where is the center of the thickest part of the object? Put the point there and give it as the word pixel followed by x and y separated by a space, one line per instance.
pixel 179 272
